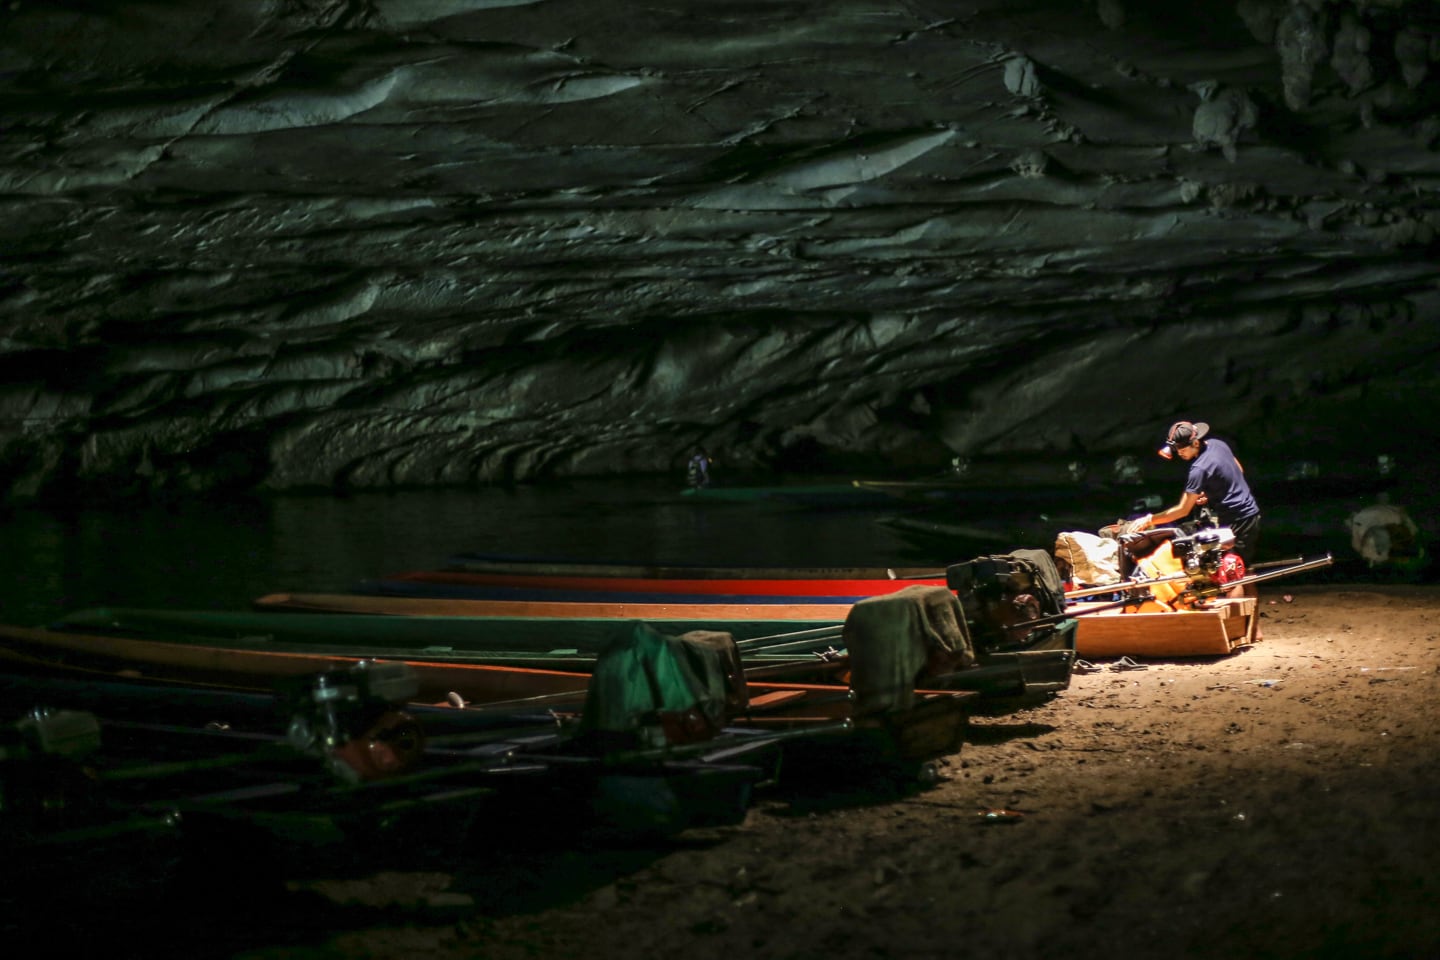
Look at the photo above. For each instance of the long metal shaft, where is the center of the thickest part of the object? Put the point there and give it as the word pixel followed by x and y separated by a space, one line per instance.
pixel 1209 590
pixel 1124 585
pixel 1214 589
pixel 1121 586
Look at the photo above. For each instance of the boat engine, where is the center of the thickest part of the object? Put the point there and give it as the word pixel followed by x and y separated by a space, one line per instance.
pixel 1003 594
pixel 43 780
pixel 351 719
pixel 1199 552
pixel 1205 555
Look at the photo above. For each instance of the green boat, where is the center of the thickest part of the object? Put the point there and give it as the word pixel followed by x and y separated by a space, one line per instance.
pixel 552 643
pixel 806 651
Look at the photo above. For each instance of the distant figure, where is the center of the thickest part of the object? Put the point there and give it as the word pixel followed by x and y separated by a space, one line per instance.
pixel 697 471
pixel 1383 533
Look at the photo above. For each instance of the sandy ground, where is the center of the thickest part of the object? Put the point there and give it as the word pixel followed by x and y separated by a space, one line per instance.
pixel 1280 802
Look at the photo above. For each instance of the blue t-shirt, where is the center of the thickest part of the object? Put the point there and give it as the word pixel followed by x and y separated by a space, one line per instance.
pixel 1217 474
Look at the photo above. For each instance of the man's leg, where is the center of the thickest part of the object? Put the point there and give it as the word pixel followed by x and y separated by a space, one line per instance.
pixel 1247 535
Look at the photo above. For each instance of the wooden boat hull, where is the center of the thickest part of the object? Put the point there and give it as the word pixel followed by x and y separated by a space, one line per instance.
pixel 444 607
pixel 819 722
pixel 769 648
pixel 261 669
pixel 549 567
pixel 424 637
pixel 756 586
pixel 463 591
pixel 99 654
pixel 653 589
pixel 1220 629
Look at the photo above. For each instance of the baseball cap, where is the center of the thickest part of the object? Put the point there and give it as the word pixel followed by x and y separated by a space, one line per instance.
pixel 1182 434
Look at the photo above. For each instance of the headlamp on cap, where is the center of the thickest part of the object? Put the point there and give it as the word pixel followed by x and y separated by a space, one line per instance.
pixel 1182 433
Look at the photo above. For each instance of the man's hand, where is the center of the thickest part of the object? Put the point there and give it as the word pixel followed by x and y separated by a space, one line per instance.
pixel 1138 524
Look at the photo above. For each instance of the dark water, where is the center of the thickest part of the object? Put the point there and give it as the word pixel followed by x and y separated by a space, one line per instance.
pixel 222 554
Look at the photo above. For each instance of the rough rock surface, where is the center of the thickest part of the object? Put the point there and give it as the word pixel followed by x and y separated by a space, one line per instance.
pixel 330 244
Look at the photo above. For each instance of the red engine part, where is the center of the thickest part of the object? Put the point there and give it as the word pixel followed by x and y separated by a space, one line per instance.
pixel 1232 568
pixel 391 747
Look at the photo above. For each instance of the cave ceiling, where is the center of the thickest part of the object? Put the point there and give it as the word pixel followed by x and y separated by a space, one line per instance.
pixel 316 244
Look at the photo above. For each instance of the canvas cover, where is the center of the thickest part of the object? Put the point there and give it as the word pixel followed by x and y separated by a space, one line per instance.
pixel 894 639
pixel 649 686
pixel 1094 560
pixel 1046 585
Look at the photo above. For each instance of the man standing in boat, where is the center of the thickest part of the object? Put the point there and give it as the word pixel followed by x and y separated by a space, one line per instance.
pixel 1217 480
pixel 697 470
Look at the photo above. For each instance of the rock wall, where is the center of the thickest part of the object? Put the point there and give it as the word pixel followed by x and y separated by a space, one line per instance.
pixel 337 245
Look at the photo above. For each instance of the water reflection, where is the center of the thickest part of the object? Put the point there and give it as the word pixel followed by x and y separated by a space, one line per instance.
pixel 223 554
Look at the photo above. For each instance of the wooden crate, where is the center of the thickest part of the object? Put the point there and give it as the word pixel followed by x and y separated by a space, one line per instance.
pixel 1219 629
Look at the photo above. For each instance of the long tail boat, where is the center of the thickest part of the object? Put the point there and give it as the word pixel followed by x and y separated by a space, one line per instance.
pixel 98 654
pixel 448 607
pixel 912 724
pixel 466 676
pixel 480 659
pixel 474 562
pixel 492 658
pixel 113 765
pixel 429 589
pixel 580 588
pixel 554 642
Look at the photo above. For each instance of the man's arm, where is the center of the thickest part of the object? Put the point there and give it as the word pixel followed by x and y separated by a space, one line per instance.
pixel 1181 509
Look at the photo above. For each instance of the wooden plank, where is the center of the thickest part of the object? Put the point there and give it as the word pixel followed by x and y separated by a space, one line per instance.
pixel 1216 631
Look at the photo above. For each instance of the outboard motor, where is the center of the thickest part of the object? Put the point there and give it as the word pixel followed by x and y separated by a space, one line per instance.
pixel 42 778
pixel 1000 593
pixel 1199 551
pixel 1205 555
pixel 350 718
